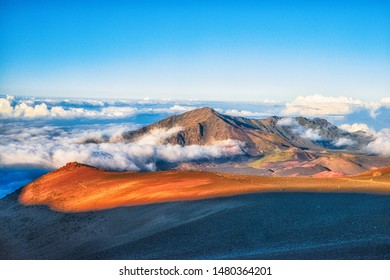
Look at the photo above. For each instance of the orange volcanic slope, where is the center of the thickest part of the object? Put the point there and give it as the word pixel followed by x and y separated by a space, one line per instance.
pixel 77 187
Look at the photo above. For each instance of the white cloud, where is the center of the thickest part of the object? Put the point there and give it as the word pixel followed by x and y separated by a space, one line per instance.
pixel 287 121
pixel 91 102
pixel 381 144
pixel 30 110
pixel 270 101
pixel 319 105
pixel 6 108
pixel 385 102
pixel 158 135
pixel 52 147
pixel 308 133
pixel 24 110
pixel 343 142
pixel 357 127
pixel 171 110
pixel 115 112
pixel 244 113
pixel 19 136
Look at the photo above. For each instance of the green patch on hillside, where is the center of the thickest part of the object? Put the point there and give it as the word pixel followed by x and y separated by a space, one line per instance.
pixel 275 157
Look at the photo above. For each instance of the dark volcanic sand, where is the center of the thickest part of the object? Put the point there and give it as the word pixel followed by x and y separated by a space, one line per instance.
pixel 255 226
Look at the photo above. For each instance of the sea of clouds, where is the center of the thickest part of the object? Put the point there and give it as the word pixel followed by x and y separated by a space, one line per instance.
pixel 51 147
pixel 40 134
pixel 379 146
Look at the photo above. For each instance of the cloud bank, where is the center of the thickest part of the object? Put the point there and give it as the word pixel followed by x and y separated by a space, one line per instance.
pixel 355 127
pixel 244 113
pixel 301 131
pixel 287 121
pixel 30 109
pixel 381 144
pixel 11 109
pixel 319 105
pixel 343 142
pixel 314 134
pixel 52 147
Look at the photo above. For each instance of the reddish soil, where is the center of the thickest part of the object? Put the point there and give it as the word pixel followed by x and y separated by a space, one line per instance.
pixel 79 188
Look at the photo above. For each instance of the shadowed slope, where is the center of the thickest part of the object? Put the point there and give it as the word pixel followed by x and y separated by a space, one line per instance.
pixel 256 226
pixel 78 187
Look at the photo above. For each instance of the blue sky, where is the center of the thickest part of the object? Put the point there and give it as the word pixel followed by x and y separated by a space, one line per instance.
pixel 206 50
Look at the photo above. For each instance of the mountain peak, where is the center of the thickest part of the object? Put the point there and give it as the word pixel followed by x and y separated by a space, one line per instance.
pixel 190 118
pixel 206 110
pixel 72 166
pixel 202 113
pixel 205 126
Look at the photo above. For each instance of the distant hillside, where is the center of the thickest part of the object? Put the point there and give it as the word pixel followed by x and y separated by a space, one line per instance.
pixel 261 136
pixel 274 146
